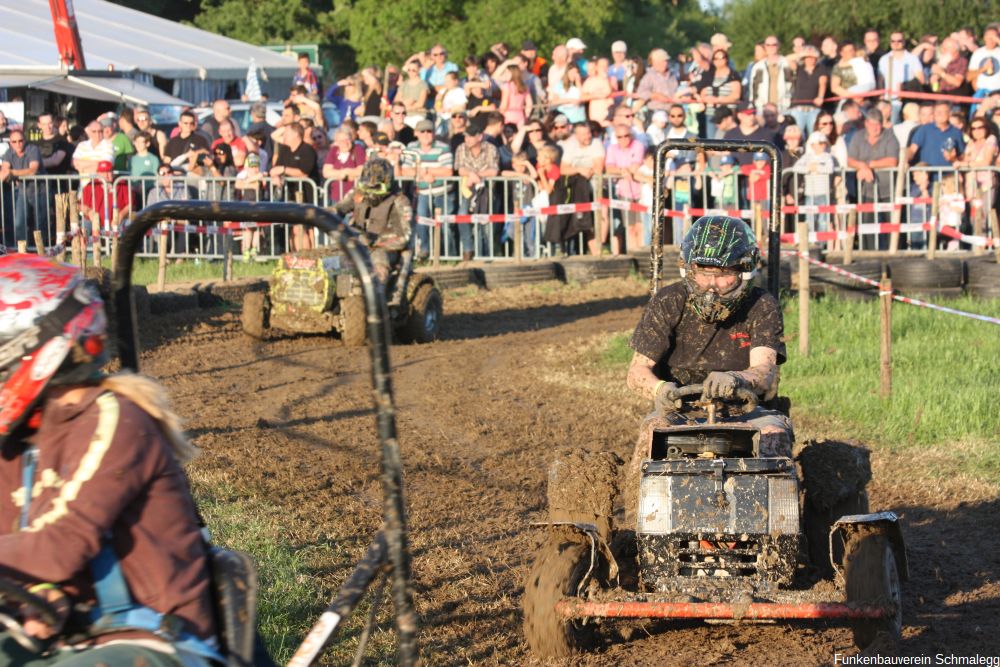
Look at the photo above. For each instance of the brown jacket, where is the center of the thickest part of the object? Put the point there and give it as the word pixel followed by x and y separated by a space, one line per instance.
pixel 104 467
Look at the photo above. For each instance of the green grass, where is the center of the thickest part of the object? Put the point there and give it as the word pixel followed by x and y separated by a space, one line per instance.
pixel 946 378
pixel 145 269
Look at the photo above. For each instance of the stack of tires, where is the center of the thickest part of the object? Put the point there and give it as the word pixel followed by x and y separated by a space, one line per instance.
pixel 587 269
pixel 502 274
pixel 934 279
pixel 984 277
pixel 830 282
pixel 450 278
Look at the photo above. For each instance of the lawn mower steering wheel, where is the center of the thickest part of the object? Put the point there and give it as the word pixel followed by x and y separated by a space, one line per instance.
pixel 744 402
pixel 11 592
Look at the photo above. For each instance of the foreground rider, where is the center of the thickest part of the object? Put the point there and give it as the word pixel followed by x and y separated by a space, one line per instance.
pixel 95 511
pixel 382 212
pixel 712 328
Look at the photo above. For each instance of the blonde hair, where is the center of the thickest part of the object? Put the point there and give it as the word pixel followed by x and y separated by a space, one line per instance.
pixel 151 396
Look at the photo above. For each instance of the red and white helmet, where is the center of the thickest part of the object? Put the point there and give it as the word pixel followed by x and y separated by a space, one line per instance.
pixel 52 331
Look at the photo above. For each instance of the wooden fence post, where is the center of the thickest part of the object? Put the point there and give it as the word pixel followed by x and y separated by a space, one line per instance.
pixel 802 230
pixel 39 243
pixel 995 226
pixel 161 269
pixel 852 222
pixel 227 256
pixel 22 247
pixel 885 347
pixel 935 211
pixel 61 211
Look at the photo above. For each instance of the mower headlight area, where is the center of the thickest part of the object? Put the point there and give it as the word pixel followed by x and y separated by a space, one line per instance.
pixel 782 506
pixel 654 505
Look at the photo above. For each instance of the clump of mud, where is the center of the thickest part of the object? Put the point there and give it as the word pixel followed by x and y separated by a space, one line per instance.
pixel 582 486
pixel 833 470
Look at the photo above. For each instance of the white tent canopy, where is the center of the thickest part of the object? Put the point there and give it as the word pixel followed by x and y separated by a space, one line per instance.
pixel 90 85
pixel 127 39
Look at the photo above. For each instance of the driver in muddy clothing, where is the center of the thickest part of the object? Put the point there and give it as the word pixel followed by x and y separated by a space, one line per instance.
pixel 715 328
pixel 382 212
pixel 96 516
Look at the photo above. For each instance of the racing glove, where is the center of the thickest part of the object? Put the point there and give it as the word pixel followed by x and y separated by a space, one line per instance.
pixel 722 384
pixel 665 398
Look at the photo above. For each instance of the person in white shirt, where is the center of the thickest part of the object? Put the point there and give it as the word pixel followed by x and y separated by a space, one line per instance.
pixel 984 65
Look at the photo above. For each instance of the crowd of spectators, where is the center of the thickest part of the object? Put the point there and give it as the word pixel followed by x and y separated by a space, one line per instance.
pixel 568 126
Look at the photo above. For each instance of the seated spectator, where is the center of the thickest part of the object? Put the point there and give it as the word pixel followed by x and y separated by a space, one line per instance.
pixel 582 160
pixel 103 204
pixel 429 161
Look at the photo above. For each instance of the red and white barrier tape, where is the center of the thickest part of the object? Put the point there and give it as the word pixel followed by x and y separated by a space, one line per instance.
pixel 896 297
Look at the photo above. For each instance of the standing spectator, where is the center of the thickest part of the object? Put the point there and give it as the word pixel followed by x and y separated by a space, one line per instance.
pixel 984 66
pixel 227 135
pixel 144 162
pixel 749 129
pixel 565 94
pixel 250 185
pixel 938 144
pixel 574 54
pixel 475 161
pixel 184 149
pixel 515 99
pixel 479 87
pixel 948 73
pixel 678 130
pixel 597 90
pixel 818 167
pixel 306 78
pixel 158 138
pixel 758 173
pixel 980 152
pixel 451 99
pixel 343 164
pixel 851 74
pixel 533 82
pixel 582 160
pixel 413 91
pixel 401 131
pixel 830 50
pixel 220 113
pixel 296 160
pixel 771 77
pixel 618 68
pixel 429 161
pixel 657 130
pixel 871 150
pixel 126 123
pixel 623 159
pixel 434 73
pixel 316 138
pixel 808 87
pixel 95 149
pixel 557 69
pixel 873 47
pixel 259 124
pixel 791 184
pixel 531 139
pixel 456 131
pixel 721 89
pixel 120 143
pixel 905 127
pixel 4 128
pixel 371 93
pixel 560 130
pixel 20 196
pixel 56 152
pixel 920 187
pixel 898 68
pixel 346 95
pixel 537 65
pixel 658 85
pixel 530 184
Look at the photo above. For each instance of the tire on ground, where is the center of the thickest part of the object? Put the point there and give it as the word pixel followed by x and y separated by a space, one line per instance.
pixel 871 578
pixel 834 478
pixel 849 287
pixel 353 321
pixel 511 275
pixel 449 278
pixel 584 270
pixel 426 311
pixel 583 487
pixel 556 572
pixel 254 316
pixel 984 277
pixel 915 273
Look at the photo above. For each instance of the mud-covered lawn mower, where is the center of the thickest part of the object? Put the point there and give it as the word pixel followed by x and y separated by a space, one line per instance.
pixel 718 532
pixel 317 291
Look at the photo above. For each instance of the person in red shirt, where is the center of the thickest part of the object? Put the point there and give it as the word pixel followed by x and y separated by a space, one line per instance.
pixel 104 203
pixel 758 175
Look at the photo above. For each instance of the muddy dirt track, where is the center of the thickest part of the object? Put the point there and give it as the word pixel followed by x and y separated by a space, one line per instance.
pixel 290 421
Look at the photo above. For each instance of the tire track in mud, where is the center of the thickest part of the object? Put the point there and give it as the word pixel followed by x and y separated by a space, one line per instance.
pixel 290 421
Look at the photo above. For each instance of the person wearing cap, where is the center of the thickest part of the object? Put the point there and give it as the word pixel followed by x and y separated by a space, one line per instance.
pixel 103 204
pixel 574 53
pixel 809 86
pixel 536 64
pixel 818 166
pixel 475 161
pixel 93 150
pixel 560 129
pixel 618 69
pixel 428 161
pixel 749 129
pixel 771 77
pixel 658 85
pixel 870 150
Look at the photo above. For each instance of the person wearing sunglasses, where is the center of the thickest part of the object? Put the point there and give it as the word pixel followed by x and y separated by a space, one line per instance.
pixel 23 160
pixel 771 77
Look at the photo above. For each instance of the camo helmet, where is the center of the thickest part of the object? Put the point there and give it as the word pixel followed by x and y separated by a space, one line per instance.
pixel 52 331
pixel 718 242
pixel 375 181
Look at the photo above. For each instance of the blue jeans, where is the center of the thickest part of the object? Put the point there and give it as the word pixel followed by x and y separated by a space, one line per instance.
pixel 527 235
pixel 425 208
pixel 818 222
pixel 20 203
pixel 805 118
pixel 465 230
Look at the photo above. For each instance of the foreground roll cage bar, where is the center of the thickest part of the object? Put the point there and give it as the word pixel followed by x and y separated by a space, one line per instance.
pixel 388 550
pixel 702 145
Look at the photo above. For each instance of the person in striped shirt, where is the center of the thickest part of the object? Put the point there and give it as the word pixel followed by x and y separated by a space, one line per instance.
pixel 429 161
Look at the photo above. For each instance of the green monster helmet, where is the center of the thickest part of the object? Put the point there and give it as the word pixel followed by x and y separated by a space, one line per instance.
pixel 375 181
pixel 725 242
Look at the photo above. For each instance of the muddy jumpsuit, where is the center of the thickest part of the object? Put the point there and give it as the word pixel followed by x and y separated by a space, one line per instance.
pixel 387 224
pixel 686 349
